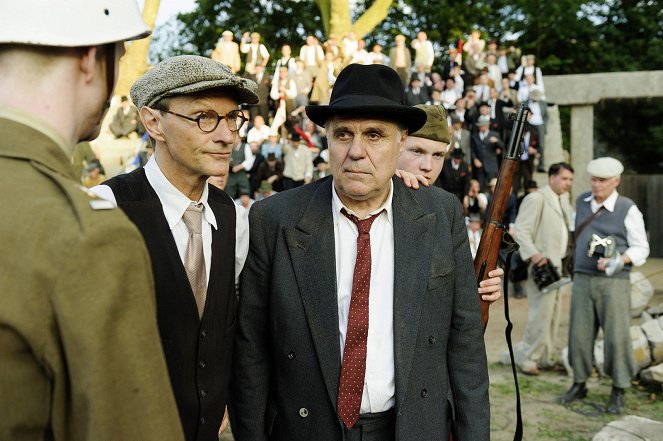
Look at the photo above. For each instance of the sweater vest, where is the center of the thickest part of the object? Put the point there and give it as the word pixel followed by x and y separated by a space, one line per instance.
pixel 198 351
pixel 605 224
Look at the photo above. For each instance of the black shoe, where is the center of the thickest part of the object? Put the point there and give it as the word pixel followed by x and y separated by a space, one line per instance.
pixel 616 405
pixel 577 391
pixel 541 169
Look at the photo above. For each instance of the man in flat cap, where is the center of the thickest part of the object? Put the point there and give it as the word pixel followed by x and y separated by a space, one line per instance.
pixel 358 309
pixel 80 357
pixel 610 239
pixel 189 107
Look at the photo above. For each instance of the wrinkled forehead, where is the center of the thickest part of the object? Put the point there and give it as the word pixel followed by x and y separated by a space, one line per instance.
pixel 362 122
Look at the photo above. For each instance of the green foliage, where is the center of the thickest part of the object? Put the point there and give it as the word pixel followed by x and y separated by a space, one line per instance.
pixel 567 36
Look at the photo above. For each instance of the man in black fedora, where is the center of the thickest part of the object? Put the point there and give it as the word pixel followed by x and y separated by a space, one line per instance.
pixel 358 316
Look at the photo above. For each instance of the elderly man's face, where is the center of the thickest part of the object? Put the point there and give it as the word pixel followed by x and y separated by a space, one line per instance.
pixel 188 151
pixel 363 155
pixel 423 157
pixel 602 188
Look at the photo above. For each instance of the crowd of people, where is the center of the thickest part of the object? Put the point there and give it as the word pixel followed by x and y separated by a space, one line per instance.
pixel 478 84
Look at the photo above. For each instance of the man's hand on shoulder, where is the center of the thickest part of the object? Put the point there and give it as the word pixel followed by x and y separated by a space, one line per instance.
pixel 411 180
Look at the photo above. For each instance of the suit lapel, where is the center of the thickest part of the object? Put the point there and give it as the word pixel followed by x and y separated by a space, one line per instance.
pixel 312 251
pixel 413 234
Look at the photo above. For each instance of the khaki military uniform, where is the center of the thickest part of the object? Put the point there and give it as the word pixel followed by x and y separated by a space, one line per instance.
pixel 80 356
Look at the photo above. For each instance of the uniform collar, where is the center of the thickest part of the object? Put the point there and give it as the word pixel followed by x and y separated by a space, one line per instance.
pixel 38 124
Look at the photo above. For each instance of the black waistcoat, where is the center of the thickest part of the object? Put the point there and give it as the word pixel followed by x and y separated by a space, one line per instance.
pixel 198 352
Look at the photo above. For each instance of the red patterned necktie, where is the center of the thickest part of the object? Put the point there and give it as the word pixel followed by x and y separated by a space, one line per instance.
pixel 353 368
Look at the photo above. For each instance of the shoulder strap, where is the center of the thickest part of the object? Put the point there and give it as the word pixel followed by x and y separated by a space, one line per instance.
pixel 588 221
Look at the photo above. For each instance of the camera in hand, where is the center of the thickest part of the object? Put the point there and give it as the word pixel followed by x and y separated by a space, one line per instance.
pixel 545 275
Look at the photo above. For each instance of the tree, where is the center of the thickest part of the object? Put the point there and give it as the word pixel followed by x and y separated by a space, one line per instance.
pixel 134 63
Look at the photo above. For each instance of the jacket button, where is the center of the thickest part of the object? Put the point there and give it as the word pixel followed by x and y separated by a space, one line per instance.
pixel 303 412
pixel 203 333
pixel 431 339
pixel 202 364
pixel 424 393
pixel 203 393
pixel 291 355
pixel 202 420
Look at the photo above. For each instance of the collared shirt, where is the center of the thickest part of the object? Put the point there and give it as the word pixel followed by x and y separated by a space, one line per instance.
pixel 174 205
pixel 379 380
pixel 38 124
pixel 636 235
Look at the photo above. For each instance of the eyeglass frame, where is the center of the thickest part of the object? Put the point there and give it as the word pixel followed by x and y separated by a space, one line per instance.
pixel 219 117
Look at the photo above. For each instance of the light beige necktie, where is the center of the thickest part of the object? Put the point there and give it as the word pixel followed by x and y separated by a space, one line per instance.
pixel 194 260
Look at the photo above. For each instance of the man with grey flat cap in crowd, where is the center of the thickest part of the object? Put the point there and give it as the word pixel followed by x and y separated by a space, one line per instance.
pixel 610 239
pixel 358 309
pixel 80 357
pixel 196 237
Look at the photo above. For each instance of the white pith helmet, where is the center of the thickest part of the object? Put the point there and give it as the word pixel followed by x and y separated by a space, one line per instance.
pixel 70 23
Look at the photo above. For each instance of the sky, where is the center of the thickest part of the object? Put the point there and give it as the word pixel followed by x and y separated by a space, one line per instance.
pixel 168 8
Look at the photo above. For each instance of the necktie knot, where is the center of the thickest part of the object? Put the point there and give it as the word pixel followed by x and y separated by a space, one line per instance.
pixel 193 218
pixel 363 225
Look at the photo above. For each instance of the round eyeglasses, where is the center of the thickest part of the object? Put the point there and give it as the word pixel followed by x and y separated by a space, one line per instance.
pixel 209 120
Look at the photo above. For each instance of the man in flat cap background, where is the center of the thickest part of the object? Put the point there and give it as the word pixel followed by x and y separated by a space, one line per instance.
pixel 610 239
pixel 358 307
pixel 189 107
pixel 80 357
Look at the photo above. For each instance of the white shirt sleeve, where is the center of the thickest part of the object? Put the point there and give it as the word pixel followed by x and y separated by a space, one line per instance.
pixel 636 235
pixel 241 240
pixel 250 158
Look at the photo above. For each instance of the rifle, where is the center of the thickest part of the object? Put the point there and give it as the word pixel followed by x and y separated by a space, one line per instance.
pixel 493 230
pixel 494 239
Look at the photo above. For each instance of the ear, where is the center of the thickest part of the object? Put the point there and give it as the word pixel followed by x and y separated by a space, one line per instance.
pixel 401 147
pixel 87 63
pixel 152 122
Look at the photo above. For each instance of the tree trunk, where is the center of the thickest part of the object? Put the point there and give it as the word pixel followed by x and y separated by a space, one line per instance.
pixel 336 17
pixel 371 18
pixel 134 63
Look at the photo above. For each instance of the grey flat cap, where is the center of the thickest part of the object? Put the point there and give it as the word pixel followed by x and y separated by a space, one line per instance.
pixel 186 74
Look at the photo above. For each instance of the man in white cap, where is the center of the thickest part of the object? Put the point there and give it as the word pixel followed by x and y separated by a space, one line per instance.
pixel 610 239
pixel 80 357
pixel 197 239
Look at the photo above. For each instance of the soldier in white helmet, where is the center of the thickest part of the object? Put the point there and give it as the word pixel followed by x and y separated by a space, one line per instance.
pixel 80 356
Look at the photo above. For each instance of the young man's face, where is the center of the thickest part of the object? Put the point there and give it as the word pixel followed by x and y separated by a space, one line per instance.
pixel 423 156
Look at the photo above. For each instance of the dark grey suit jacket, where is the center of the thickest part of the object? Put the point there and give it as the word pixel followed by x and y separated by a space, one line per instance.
pixel 287 358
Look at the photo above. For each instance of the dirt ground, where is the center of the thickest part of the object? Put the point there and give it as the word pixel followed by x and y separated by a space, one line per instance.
pixel 543 418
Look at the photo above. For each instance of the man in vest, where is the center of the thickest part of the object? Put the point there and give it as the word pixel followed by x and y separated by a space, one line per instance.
pixel 80 357
pixel 610 239
pixel 189 107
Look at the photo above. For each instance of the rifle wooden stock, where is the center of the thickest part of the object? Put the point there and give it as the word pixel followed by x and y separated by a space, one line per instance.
pixel 493 230
pixel 491 238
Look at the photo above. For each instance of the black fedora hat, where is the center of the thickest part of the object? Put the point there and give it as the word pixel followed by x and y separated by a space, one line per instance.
pixel 374 91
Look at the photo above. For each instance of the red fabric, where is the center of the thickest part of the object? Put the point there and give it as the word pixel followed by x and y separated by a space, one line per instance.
pixel 353 369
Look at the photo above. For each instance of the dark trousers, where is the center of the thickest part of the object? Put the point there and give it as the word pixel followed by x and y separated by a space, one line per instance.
pixel 290 183
pixel 373 427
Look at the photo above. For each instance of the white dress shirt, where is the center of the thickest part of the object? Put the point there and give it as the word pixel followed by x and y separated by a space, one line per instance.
pixel 379 380
pixel 636 235
pixel 174 204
